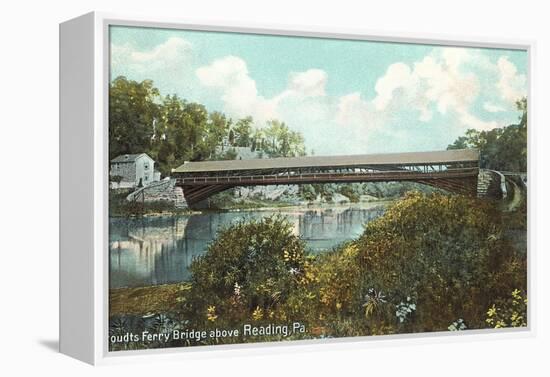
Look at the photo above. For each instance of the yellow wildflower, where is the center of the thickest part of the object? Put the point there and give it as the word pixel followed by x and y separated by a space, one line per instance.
pixel 258 313
pixel 211 313
pixel 286 255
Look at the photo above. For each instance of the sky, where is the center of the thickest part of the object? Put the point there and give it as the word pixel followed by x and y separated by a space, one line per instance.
pixel 344 96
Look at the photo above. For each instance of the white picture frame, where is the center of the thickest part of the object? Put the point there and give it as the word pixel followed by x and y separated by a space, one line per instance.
pixel 84 79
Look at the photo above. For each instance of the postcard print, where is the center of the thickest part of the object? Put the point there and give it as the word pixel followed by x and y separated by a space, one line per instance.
pixel 275 188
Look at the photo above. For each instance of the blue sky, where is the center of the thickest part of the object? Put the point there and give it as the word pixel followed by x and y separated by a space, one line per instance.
pixel 345 97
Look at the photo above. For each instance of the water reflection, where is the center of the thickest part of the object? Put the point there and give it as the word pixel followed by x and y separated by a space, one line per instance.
pixel 159 250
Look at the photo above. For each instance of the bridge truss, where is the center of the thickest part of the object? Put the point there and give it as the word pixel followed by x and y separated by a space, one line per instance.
pixel 454 171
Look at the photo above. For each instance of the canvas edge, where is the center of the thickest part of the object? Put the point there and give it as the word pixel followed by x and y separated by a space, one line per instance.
pixel 76 192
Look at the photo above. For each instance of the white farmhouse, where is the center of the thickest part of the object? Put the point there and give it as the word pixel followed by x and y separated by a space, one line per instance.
pixel 133 170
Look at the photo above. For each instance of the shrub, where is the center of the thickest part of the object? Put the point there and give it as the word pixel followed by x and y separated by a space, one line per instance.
pixel 329 297
pixel 448 253
pixel 351 192
pixel 327 290
pixel 115 178
pixel 251 267
pixel 509 312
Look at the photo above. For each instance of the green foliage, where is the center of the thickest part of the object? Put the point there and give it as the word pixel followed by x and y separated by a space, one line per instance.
pixel 350 193
pixel 169 129
pixel 353 191
pixel 509 312
pixel 242 133
pixel 277 140
pixel 502 149
pixel 251 267
pixel 394 190
pixel 335 280
pixel 186 132
pixel 307 192
pixel 429 260
pixel 325 191
pixel 172 130
pixel 132 110
pixel 449 253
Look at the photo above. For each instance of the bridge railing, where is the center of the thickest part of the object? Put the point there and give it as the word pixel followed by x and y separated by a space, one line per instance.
pixel 326 175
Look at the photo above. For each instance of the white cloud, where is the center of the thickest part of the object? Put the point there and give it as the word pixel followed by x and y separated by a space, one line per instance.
pixel 310 83
pixel 444 81
pixel 447 82
pixel 353 111
pixel 398 75
pixel 172 55
pixel 512 85
pixel 303 103
pixel 226 72
pixel 230 76
pixel 446 85
pixel 493 108
pixel 472 121
pixel 168 64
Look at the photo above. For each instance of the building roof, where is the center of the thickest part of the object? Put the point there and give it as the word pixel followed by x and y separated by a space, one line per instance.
pixel 129 157
pixel 413 158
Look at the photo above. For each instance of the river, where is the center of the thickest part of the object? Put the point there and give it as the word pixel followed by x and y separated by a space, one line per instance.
pixel 158 250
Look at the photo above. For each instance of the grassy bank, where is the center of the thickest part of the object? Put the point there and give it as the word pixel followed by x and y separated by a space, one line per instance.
pixel 147 300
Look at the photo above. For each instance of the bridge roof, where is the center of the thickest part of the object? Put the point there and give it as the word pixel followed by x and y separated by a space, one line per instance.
pixel 408 158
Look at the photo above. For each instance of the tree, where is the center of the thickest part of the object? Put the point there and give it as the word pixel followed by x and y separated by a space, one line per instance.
pixel 216 130
pixel 280 141
pixel 172 130
pixel 186 132
pixel 242 132
pixel 132 111
pixel 502 149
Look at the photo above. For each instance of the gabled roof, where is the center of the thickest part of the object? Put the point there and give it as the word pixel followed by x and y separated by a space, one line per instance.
pixel 129 157
pixel 413 158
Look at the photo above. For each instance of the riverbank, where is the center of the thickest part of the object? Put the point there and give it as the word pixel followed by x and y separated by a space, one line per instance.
pixel 306 206
pixel 122 208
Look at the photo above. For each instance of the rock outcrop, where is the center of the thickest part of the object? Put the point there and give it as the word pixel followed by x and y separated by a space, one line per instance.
pixel 165 190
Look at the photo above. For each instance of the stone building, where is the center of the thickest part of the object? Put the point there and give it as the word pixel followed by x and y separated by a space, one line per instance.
pixel 133 170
